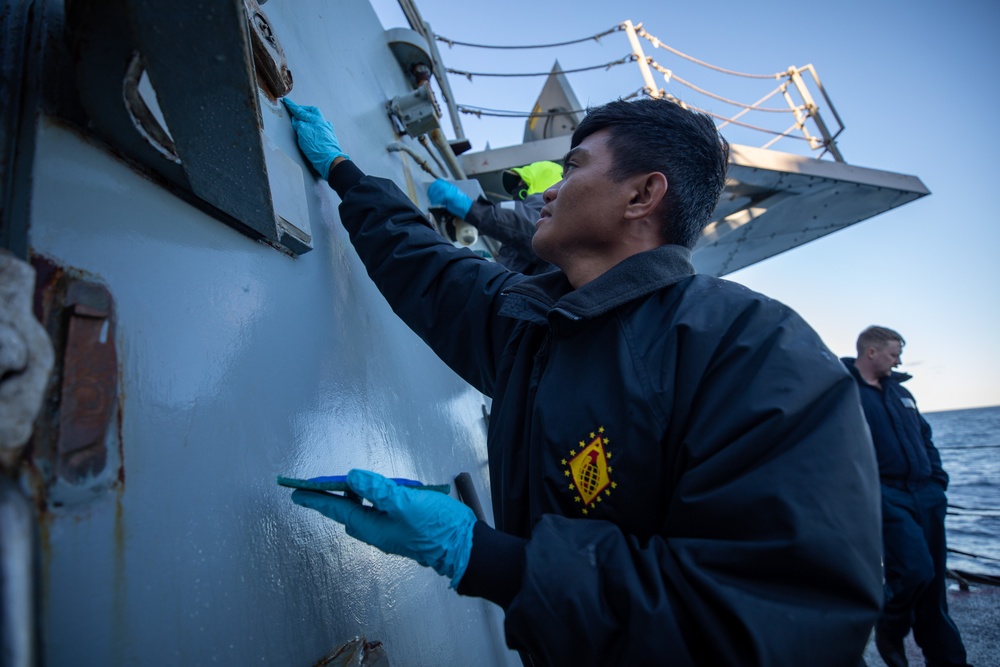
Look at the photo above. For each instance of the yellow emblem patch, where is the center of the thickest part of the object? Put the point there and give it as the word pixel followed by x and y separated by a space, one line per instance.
pixel 590 471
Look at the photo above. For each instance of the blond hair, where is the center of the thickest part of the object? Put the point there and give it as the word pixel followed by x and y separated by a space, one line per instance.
pixel 875 336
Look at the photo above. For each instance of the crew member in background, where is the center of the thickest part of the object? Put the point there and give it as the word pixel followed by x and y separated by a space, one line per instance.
pixel 913 508
pixel 510 222
pixel 680 468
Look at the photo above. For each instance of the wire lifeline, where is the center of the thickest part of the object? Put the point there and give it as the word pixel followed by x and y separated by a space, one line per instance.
pixel 658 44
pixel 735 122
pixel 969 447
pixel 468 75
pixel 671 76
pixel 501 113
pixel 974 509
pixel 479 112
pixel 789 74
pixel 596 38
pixel 972 555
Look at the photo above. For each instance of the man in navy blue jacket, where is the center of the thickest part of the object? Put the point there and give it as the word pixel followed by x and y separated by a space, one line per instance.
pixel 913 507
pixel 680 469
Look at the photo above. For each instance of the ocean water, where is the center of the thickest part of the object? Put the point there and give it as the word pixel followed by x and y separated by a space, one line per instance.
pixel 969 442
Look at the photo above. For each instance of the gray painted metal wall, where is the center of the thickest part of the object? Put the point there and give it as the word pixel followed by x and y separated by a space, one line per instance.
pixel 236 363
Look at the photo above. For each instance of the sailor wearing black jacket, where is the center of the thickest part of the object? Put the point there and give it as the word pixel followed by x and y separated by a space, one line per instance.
pixel 510 222
pixel 680 469
pixel 513 224
pixel 913 507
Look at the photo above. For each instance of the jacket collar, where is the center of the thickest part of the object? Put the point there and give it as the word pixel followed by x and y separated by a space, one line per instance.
pixel 536 298
pixel 895 377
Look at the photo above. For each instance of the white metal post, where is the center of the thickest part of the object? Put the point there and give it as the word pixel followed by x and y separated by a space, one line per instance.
pixel 651 88
pixel 813 112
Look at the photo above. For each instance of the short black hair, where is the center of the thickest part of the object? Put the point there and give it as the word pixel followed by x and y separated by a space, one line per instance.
pixel 648 135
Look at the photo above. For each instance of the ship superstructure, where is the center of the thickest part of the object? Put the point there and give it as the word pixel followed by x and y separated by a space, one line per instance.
pixel 213 329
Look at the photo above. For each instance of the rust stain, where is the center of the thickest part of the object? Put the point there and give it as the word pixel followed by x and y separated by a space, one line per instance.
pixel 43 520
pixel 120 584
pixel 121 440
pixel 47 276
pixel 50 280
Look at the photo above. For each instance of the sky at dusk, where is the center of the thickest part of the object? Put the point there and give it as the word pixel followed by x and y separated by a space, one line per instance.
pixel 912 84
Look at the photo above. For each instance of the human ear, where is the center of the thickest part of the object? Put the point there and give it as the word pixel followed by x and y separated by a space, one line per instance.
pixel 649 191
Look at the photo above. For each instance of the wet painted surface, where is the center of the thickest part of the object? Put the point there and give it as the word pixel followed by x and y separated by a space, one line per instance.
pixel 239 363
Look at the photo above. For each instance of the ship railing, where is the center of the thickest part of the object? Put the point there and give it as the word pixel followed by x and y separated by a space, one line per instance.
pixel 799 87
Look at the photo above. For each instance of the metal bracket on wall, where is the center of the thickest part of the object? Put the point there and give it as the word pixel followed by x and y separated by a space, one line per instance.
pixel 89 381
pixel 75 454
pixel 415 111
pixel 75 443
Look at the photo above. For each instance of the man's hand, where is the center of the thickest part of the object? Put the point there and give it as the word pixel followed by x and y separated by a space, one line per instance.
pixel 443 193
pixel 316 137
pixel 430 527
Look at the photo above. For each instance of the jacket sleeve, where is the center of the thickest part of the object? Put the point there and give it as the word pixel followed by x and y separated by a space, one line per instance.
pixel 770 545
pixel 938 473
pixel 448 296
pixel 512 226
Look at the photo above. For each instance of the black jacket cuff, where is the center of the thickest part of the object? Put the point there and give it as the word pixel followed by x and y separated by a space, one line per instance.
pixel 496 565
pixel 344 176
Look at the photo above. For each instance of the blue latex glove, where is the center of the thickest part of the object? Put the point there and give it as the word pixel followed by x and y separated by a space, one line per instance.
pixel 443 193
pixel 316 137
pixel 432 528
